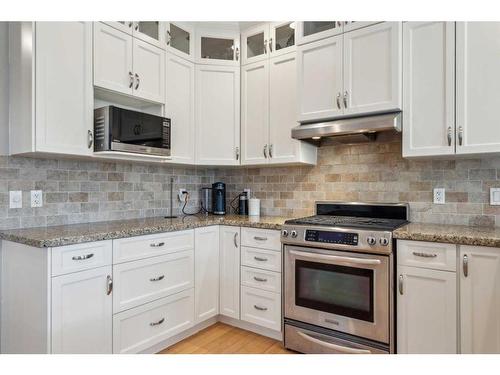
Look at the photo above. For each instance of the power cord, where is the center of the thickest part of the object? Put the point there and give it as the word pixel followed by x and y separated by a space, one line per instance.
pixel 202 209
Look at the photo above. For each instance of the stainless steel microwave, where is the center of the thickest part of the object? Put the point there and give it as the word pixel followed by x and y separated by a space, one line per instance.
pixel 118 129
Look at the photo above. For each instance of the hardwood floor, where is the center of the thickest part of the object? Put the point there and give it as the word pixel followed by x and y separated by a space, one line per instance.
pixel 221 338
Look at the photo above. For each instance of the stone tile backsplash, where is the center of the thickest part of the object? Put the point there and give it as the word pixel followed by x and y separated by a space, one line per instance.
pixel 89 191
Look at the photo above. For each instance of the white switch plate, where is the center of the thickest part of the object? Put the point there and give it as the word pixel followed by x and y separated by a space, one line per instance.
pixel 16 199
pixel 495 196
pixel 439 196
pixel 36 198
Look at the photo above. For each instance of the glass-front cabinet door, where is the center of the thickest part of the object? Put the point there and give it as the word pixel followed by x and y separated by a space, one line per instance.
pixel 218 48
pixel 180 39
pixel 256 44
pixel 282 37
pixel 150 31
pixel 125 26
pixel 309 31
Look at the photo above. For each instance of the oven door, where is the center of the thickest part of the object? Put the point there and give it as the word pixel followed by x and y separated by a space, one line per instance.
pixel 343 291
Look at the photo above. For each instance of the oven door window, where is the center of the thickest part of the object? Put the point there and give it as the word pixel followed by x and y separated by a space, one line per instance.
pixel 340 290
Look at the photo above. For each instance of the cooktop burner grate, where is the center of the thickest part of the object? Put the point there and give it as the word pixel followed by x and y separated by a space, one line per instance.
pixel 349 221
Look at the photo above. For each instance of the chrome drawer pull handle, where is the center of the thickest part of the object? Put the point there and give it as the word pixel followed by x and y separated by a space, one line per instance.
pixel 159 244
pixel 449 136
pixel 260 259
pixel 157 323
pixel 424 255
pixel 260 308
pixel 159 278
pixel 259 279
pixel 131 78
pixel 257 238
pixel 83 257
pixel 137 81
pixel 338 348
pixel 466 265
pixel 109 285
pixel 400 285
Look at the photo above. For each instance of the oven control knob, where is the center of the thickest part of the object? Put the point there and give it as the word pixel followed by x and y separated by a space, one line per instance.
pixel 293 233
pixel 284 233
pixel 384 241
pixel 371 240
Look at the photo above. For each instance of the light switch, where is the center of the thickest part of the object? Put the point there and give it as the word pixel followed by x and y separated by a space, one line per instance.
pixel 16 199
pixel 495 196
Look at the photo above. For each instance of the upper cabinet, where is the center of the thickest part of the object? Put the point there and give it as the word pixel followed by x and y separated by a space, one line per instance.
pixel 128 65
pixel 218 47
pixel 310 31
pixel 51 106
pixel 180 39
pixel 148 31
pixel 358 72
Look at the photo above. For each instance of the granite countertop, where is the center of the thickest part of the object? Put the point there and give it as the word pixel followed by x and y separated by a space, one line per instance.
pixel 456 234
pixel 107 230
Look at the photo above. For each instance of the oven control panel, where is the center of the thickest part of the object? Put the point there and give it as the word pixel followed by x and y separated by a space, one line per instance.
pixel 330 237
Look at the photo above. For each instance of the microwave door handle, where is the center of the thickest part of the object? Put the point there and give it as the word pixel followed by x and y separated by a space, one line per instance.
pixel 329 345
pixel 336 258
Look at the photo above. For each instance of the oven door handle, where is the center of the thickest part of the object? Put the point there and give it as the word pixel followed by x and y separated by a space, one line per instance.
pixel 361 261
pixel 338 348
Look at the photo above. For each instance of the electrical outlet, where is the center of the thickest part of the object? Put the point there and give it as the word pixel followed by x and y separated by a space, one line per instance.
pixel 182 195
pixel 15 199
pixel 36 198
pixel 439 196
pixel 495 196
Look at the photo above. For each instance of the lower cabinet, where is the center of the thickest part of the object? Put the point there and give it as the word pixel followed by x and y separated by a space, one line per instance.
pixel 261 307
pixel 82 311
pixel 206 272
pixel 229 272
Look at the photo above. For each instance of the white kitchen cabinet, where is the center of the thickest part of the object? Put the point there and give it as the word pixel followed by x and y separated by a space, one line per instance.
pixel 180 107
pixel 217 115
pixel 311 31
pixel 51 106
pixel 282 38
pixel 82 312
pixel 320 79
pixel 373 69
pixel 206 273
pixel 255 44
pixel 479 299
pixel 217 47
pixel 149 71
pixel 180 38
pixel 125 26
pixel 478 79
pixel 429 88
pixel 229 274
pixel 151 32
pixel 427 311
pixel 354 25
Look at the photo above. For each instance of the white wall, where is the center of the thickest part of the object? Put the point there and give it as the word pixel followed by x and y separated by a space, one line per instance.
pixel 4 88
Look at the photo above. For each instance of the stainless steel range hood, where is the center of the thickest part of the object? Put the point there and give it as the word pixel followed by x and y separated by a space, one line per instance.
pixel 349 129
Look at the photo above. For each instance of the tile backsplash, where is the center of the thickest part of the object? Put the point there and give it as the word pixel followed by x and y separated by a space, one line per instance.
pixel 84 191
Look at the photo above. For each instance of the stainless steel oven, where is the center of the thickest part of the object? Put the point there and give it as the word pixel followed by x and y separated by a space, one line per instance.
pixel 344 291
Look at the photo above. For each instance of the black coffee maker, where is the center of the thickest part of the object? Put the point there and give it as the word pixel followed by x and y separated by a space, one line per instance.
pixel 219 198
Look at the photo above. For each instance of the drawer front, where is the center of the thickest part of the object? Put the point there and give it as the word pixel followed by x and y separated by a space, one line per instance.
pixel 260 258
pixel 261 307
pixel 138 329
pixel 142 281
pixel 73 258
pixel 127 249
pixel 261 238
pixel 439 256
pixel 260 279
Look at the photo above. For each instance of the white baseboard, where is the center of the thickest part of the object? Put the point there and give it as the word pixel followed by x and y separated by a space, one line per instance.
pixel 277 335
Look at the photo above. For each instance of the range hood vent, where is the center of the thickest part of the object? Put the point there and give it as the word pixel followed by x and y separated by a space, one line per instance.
pixel 347 130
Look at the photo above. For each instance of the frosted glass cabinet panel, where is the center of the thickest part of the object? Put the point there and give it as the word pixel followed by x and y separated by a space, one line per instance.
pixel 284 36
pixel 218 48
pixel 180 39
pixel 310 31
pixel 150 31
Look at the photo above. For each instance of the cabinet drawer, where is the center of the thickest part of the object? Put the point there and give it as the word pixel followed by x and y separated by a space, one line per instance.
pixel 138 329
pixel 261 238
pixel 261 307
pixel 260 279
pixel 260 258
pixel 146 280
pixel 73 258
pixel 439 256
pixel 141 247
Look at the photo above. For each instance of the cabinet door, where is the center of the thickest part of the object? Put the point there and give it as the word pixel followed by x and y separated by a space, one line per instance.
pixel 429 88
pixel 218 48
pixel 310 31
pixel 217 115
pixel 206 272
pixel 180 40
pixel 282 37
pixel 180 107
pixel 149 71
pixel 319 67
pixel 478 79
pixel 373 69
pixel 480 299
pixel 112 59
pixel 82 312
pixel 151 32
pixel 255 113
pixel 427 311
pixel 229 303
pixel 255 44
pixel 63 65
pixel 125 26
